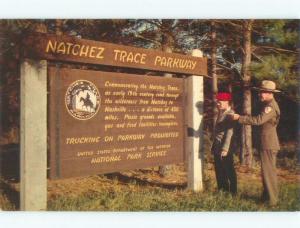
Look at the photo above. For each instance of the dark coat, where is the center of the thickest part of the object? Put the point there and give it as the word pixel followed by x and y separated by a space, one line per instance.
pixel 223 133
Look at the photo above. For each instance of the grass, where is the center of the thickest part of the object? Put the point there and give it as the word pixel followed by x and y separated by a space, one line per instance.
pixel 128 193
pixel 176 200
pixel 144 198
pixel 6 204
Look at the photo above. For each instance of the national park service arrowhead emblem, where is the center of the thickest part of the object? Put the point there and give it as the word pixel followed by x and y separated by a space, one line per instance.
pixel 82 100
pixel 268 109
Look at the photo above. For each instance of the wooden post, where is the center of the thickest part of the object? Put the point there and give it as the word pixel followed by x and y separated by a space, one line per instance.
pixel 193 119
pixel 33 136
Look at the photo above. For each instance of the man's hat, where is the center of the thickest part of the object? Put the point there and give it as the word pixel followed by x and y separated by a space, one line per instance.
pixel 224 97
pixel 267 86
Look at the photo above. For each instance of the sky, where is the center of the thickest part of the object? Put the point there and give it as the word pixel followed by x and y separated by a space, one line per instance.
pixel 235 9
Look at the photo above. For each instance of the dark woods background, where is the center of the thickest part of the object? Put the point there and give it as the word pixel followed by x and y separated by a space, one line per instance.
pixel 274 56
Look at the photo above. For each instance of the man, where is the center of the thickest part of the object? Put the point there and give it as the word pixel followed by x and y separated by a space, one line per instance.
pixel 222 148
pixel 268 119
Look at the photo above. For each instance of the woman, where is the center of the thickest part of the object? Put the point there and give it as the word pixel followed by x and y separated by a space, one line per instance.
pixel 221 149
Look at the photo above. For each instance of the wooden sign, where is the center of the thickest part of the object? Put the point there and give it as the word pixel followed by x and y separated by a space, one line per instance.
pixel 66 48
pixel 105 122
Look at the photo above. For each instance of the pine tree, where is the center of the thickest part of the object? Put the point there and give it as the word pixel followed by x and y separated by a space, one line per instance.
pixel 276 55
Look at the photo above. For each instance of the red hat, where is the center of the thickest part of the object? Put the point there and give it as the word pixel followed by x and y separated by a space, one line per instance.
pixel 224 96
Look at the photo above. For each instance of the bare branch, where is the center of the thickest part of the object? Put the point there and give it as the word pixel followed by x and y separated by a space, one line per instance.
pixel 146 39
pixel 222 66
pixel 227 61
pixel 154 22
pixel 275 49
pixel 256 56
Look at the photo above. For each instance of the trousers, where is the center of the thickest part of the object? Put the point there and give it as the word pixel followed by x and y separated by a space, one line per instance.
pixel 225 173
pixel 269 176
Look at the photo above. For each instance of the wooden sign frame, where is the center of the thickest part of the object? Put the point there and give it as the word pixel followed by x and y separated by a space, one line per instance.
pixel 33 118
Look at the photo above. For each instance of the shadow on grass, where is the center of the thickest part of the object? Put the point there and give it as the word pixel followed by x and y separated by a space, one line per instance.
pixel 10 162
pixel 11 194
pixel 250 197
pixel 10 172
pixel 126 179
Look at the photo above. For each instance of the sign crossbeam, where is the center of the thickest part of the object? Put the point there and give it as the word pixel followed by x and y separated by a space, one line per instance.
pixel 66 48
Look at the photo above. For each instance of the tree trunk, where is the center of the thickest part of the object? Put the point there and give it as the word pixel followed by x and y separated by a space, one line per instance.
pixel 247 154
pixel 40 27
pixel 167 40
pixel 58 27
pixel 214 72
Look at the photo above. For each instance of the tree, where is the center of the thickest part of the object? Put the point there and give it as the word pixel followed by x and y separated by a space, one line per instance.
pixel 276 57
pixel 214 71
pixel 276 52
pixel 247 154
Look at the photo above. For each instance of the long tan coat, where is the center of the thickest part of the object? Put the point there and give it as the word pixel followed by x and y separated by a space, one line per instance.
pixel 268 119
